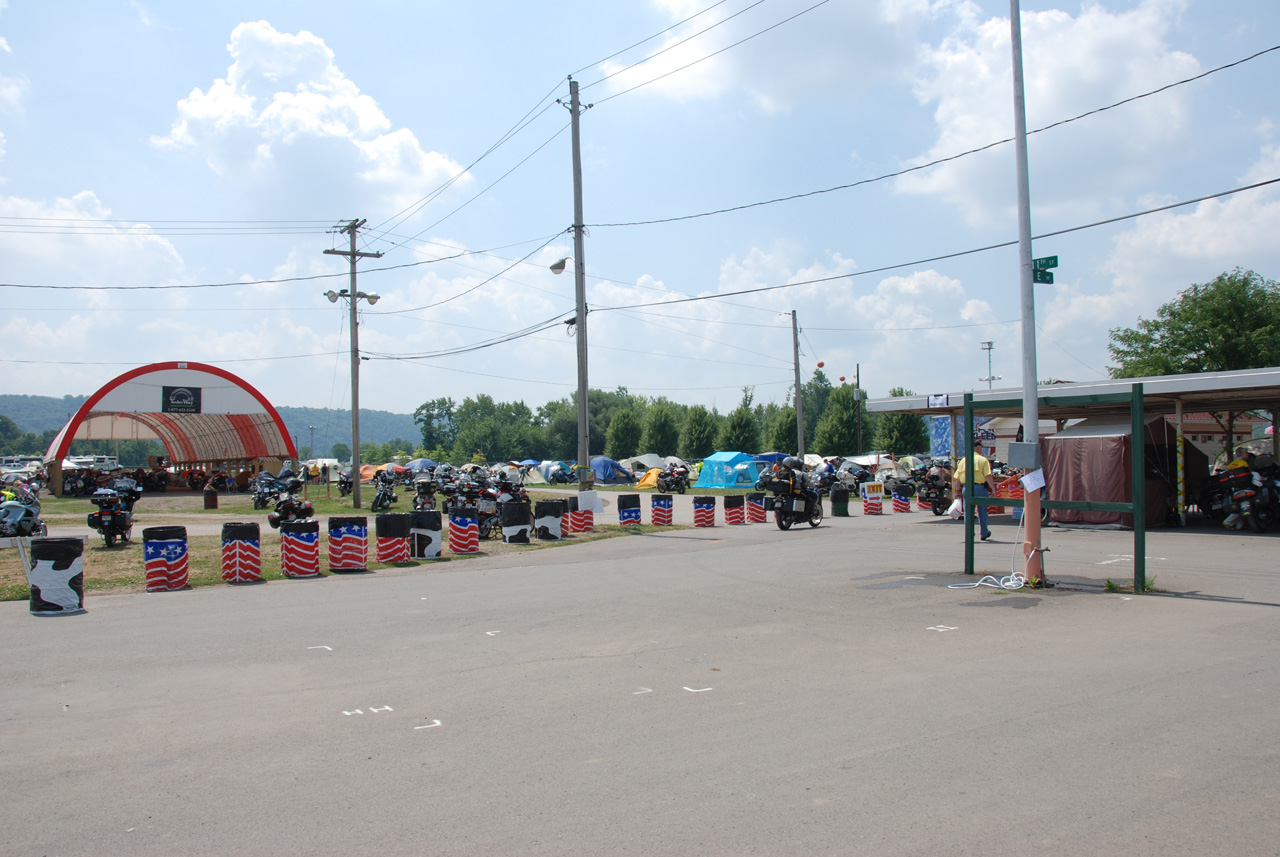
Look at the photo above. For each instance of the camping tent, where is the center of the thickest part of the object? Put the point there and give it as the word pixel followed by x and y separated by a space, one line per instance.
pixel 650 479
pixel 546 468
pixel 648 461
pixel 609 472
pixel 770 458
pixel 1092 460
pixel 728 470
pixel 674 460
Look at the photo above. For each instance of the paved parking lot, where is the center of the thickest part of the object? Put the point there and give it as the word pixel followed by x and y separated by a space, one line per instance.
pixel 725 691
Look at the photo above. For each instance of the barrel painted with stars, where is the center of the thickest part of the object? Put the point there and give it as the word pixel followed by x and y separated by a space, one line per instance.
pixel 755 508
pixel 464 530
pixel 704 511
pixel 629 509
pixel 392 533
pixel 348 544
pixel 300 549
pixel 661 509
pixel 901 503
pixel 241 552
pixel 735 509
pixel 164 557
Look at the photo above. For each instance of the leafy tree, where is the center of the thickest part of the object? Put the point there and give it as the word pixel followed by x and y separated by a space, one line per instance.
pixel 814 394
pixel 624 435
pixel 698 434
pixel 340 451
pixel 436 420
pixel 559 422
pixel 740 433
pixel 780 436
pixel 1230 323
pixel 901 434
pixel 837 432
pixel 304 452
pixel 661 429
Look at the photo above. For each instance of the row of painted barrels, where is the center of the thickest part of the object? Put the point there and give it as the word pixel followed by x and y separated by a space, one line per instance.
pixel 738 509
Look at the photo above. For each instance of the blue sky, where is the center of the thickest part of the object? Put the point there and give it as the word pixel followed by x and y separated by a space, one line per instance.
pixel 178 144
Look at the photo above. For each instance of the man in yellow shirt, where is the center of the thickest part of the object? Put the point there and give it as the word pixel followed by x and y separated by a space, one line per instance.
pixel 982 487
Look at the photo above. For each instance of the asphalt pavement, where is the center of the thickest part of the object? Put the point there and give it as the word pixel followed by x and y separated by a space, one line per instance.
pixel 734 690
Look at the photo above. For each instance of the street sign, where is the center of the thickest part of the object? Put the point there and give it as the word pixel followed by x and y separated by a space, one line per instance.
pixel 1044 263
pixel 1039 276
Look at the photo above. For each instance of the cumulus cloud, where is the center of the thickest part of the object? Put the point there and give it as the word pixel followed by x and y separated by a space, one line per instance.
pixel 284 107
pixel 1071 65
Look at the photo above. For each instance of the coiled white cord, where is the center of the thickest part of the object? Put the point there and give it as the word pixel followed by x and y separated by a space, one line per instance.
pixel 1016 579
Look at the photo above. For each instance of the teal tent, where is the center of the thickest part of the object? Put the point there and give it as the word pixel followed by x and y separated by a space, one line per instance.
pixel 729 470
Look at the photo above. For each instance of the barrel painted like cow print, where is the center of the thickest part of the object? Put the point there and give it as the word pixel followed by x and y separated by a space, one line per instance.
pixel 547 516
pixel 425 534
pixel 55 577
pixel 516 520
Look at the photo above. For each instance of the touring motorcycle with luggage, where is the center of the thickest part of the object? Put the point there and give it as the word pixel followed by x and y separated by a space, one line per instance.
pixel 115 502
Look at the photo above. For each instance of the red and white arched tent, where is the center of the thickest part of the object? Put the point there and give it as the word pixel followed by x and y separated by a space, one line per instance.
pixel 199 412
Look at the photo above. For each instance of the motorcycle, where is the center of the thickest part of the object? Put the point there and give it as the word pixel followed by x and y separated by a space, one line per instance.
pixel 793 501
pixel 560 476
pixel 288 507
pixel 114 518
pixel 384 493
pixel 674 478
pixel 1253 497
pixel 20 513
pixel 424 493
pixel 265 488
pixel 344 483
pixel 935 487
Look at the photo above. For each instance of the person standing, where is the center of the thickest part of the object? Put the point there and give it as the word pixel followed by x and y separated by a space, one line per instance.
pixel 982 487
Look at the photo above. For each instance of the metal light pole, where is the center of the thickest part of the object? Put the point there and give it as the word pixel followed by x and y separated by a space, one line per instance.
pixel 1030 393
pixel 795 346
pixel 987 346
pixel 353 297
pixel 580 293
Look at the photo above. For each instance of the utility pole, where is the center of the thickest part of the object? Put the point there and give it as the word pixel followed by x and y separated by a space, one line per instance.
pixel 353 297
pixel 1030 401
pixel 795 346
pixel 857 387
pixel 580 295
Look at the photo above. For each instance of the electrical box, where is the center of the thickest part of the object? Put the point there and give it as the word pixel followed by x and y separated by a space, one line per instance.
pixel 1024 456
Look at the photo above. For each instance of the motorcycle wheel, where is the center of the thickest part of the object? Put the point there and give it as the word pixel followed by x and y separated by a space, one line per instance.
pixel 815 517
pixel 680 490
pixel 110 539
pixel 486 527
pixel 1262 518
pixel 783 519
pixel 939 508
pixel 274 520
pixel 126 535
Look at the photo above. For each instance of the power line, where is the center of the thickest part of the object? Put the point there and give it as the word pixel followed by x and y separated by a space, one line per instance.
pixel 945 256
pixel 936 162
pixel 649 38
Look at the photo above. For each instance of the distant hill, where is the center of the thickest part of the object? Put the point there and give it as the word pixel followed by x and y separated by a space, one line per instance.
pixel 40 413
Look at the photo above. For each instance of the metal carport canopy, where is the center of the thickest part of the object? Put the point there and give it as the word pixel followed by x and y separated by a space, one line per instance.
pixel 1245 389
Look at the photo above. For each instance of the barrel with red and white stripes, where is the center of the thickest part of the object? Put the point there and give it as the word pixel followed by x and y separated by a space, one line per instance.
pixel 392 533
pixel 704 511
pixel 901 503
pixel 348 544
pixel 661 508
pixel 735 511
pixel 300 549
pixel 922 504
pixel 464 530
pixel 241 552
pixel 756 513
pixel 569 520
pixel 164 556
pixel 871 504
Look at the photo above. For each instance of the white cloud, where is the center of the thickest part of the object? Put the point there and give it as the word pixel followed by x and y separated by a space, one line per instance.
pixel 832 49
pixel 1071 65
pixel 284 107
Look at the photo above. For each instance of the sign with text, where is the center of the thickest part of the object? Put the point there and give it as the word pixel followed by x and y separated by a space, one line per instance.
pixel 180 400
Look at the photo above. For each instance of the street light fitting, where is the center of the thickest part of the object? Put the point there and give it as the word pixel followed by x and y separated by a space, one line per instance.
pixel 558 267
pixel 332 296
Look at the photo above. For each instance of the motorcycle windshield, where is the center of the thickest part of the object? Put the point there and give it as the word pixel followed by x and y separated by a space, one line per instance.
pixel 11 513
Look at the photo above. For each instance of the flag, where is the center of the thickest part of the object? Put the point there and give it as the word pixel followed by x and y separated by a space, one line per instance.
pixel 464 534
pixel 241 561
pixel 165 564
pixel 300 553
pixel 661 511
pixel 348 544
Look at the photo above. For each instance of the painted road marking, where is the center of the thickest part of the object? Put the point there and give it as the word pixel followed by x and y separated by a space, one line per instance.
pixel 320 647
pixel 432 725
pixel 940 628
pixel 642 690
pixel 698 690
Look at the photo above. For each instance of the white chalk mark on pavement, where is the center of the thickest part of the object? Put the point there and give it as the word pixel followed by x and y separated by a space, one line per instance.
pixel 642 690
pixel 493 633
pixel 432 725
pixel 698 690
pixel 327 648
pixel 940 628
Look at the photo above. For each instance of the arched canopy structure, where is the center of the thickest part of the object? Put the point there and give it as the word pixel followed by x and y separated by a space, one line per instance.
pixel 199 412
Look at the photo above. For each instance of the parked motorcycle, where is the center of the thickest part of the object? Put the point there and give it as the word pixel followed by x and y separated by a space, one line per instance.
pixel 674 478
pixel 935 487
pixel 20 513
pixel 288 507
pixel 114 518
pixel 424 493
pixel 384 491
pixel 344 483
pixel 265 490
pixel 1254 496
pixel 793 501
pixel 560 476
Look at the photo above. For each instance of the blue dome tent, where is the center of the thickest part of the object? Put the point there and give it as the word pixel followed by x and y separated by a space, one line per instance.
pixel 609 472
pixel 728 470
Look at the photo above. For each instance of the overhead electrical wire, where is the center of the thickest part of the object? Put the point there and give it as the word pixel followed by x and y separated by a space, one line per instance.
pixel 538 327
pixel 944 256
pixel 936 162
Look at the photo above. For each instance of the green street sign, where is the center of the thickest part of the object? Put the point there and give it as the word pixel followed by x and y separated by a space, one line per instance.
pixel 1039 276
pixel 1045 263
